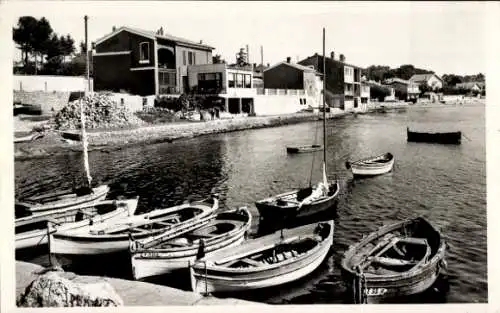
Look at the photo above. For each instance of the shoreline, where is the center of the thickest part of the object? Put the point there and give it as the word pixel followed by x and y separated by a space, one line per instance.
pixel 133 293
pixel 106 141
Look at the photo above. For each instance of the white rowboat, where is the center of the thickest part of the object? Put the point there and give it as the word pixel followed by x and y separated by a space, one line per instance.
pixel 380 164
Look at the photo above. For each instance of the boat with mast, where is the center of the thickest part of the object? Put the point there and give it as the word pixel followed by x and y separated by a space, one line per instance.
pixel 78 197
pixel 306 201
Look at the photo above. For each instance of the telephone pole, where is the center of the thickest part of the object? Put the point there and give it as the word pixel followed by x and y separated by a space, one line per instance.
pixel 87 58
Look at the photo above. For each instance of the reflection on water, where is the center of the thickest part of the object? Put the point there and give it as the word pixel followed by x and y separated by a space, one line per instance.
pixel 446 184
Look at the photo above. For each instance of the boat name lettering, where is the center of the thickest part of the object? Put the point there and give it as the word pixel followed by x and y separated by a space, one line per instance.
pixel 375 291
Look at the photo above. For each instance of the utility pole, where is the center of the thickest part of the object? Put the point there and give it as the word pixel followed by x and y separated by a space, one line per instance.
pixel 87 58
pixel 262 57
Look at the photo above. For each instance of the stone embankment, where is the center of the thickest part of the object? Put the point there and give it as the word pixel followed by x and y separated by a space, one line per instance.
pixel 36 287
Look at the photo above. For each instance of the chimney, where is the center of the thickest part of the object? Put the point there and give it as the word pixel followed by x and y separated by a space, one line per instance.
pixel 268 65
pixel 201 42
pixel 342 58
pixel 332 55
pixel 114 28
pixel 288 59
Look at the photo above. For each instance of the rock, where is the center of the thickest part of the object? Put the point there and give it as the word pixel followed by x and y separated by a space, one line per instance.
pixel 52 290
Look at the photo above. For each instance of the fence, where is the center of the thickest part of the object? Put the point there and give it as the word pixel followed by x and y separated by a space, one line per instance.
pixel 48 83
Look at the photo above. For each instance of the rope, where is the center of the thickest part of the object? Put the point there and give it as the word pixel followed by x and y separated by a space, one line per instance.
pixel 466 137
pixel 314 154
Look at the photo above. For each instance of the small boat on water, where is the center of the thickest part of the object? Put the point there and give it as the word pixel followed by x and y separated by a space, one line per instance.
pixel 437 137
pixel 31 230
pixel 376 165
pixel 168 252
pixel 27 138
pixel 267 261
pixel 114 236
pixel 304 148
pixel 64 199
pixel 401 259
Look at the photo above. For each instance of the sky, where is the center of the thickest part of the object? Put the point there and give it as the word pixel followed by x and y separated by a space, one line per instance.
pixel 445 37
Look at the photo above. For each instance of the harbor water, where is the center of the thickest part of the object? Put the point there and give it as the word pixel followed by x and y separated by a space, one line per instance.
pixel 444 183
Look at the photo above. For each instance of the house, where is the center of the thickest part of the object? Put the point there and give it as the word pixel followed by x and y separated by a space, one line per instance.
pixel 471 86
pixel 365 95
pixel 233 84
pixel 404 89
pixel 431 80
pixel 145 62
pixel 343 81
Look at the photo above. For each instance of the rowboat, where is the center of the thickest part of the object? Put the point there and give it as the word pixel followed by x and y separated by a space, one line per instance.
pixel 438 137
pixel 309 201
pixel 27 138
pixel 397 260
pixel 113 236
pixel 267 261
pixel 166 253
pixel 377 165
pixel 31 230
pixel 304 148
pixel 64 199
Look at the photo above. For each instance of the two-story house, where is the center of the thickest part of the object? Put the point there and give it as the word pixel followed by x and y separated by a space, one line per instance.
pixel 343 80
pixel 431 80
pixel 145 62
pixel 405 90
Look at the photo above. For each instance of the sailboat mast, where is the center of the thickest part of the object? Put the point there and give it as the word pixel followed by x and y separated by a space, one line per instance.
pixel 324 101
pixel 85 146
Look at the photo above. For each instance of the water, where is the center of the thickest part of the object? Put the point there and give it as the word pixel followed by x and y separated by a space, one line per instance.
pixel 447 184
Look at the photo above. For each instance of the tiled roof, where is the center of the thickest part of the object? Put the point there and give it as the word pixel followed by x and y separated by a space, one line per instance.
pixel 470 84
pixel 397 80
pixel 152 35
pixel 422 77
pixel 294 65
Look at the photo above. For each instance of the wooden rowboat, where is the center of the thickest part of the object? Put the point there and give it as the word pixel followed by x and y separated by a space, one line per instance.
pixel 27 138
pixel 165 253
pixel 267 261
pixel 304 149
pixel 31 230
pixel 397 260
pixel 112 237
pixel 64 199
pixel 377 165
pixel 439 137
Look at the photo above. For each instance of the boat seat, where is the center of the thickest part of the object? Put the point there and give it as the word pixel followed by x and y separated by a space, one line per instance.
pixel 392 261
pixel 415 241
pixel 251 262
pixel 164 223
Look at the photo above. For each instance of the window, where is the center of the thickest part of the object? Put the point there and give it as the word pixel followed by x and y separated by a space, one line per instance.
pixel 144 52
pixel 239 80
pixel 210 82
pixel 248 81
pixel 194 58
pixel 184 57
pixel 190 58
pixel 230 80
pixel 167 78
pixel 305 101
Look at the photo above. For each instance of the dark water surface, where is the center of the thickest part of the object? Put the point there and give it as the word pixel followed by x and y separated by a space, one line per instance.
pixel 447 184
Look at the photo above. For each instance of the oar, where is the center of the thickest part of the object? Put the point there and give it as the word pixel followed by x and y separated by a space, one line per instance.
pixel 466 137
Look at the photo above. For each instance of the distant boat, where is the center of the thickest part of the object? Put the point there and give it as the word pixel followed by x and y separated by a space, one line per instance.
pixel 443 137
pixel 305 201
pixel 167 252
pixel 112 237
pixel 31 230
pixel 304 148
pixel 27 138
pixel 377 165
pixel 268 261
pixel 401 259
pixel 64 199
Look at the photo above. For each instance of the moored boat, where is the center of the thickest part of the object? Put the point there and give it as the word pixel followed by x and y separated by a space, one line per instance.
pixel 27 138
pixel 112 237
pixel 304 148
pixel 397 260
pixel 436 137
pixel 165 253
pixel 267 261
pixel 376 165
pixel 64 199
pixel 31 230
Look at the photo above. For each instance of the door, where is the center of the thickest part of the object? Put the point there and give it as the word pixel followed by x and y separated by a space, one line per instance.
pixel 185 84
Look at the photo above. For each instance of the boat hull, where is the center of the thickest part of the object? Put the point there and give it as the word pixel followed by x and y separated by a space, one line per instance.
pixel 149 264
pixel 39 237
pixel 304 149
pixel 212 279
pixel 442 138
pixel 99 194
pixel 270 211
pixel 372 171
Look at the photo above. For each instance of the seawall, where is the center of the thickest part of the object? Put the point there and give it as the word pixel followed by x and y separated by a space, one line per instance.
pixel 133 293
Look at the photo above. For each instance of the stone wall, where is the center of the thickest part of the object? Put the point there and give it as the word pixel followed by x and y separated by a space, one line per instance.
pixel 48 102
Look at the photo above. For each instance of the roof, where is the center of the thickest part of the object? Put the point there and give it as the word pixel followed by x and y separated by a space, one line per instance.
pixel 423 77
pixel 470 84
pixel 294 65
pixel 397 80
pixel 154 35
pixel 333 60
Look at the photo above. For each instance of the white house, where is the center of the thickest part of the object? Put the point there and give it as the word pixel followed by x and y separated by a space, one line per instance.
pixel 431 80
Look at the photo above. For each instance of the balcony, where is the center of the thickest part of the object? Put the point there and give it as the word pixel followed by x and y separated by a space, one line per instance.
pixel 167 81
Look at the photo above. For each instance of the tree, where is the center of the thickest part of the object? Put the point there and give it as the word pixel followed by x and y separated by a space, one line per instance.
pixel 42 35
pixel 23 35
pixel 379 92
pixel 217 59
